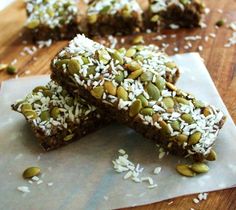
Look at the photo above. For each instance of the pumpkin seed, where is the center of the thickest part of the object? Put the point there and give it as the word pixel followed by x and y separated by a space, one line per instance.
pixel 187 118
pixel 33 24
pixel 200 168
pixel 59 64
pixel 73 67
pixel 122 93
pixel 11 69
pixel 168 102
pixel 92 18
pixel 110 88
pixel 135 108
pixel 170 65
pixel 31 172
pixel 91 70
pixel 155 18
pixel 181 138
pixel 138 40
pixel 103 56
pixel 164 126
pixel 85 60
pixel 185 170
pixel 119 77
pixel 135 74
pixel 211 156
pixel 147 111
pixel 117 56
pixel 69 101
pixel 39 89
pixel 133 66
pixel 122 50
pixel 45 115
pixel 26 107
pixel 160 82
pixel 68 137
pixel 171 86
pixel 146 76
pixel 55 112
pixel 155 117
pixel 97 92
pixel 139 58
pixel 130 52
pixel 153 91
pixel 207 111
pixel 184 2
pixel 198 104
pixel 182 100
pixel 175 125
pixel 30 114
pixel 47 93
pixel 143 100
pixel 194 138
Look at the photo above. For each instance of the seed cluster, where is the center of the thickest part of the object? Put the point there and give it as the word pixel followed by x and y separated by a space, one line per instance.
pixel 50 13
pixel 52 109
pixel 127 84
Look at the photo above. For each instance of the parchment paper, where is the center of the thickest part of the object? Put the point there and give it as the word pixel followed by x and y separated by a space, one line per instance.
pixel 82 172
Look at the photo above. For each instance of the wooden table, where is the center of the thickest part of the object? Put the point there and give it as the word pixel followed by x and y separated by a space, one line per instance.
pixel 220 61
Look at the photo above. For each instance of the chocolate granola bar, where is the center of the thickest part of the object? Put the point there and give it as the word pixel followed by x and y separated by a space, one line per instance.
pixel 175 13
pixel 56 118
pixel 140 99
pixel 113 17
pixel 52 19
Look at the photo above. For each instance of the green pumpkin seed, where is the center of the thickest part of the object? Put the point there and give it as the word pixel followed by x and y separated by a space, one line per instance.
pixel 45 115
pixel 198 104
pixel 130 52
pixel 153 91
pixel 122 51
pixel 138 40
pixel 135 74
pixel 50 12
pixel 139 47
pixel 146 76
pixel 33 24
pixel 168 102
pixel 171 86
pixel 122 93
pixel 47 93
pixel 133 66
pixel 164 126
pixel 185 170
pixel 92 18
pixel 143 100
pixel 117 56
pixel 91 70
pixel 207 111
pixel 160 82
pixel 200 168
pixel 187 118
pixel 182 100
pixel 147 111
pixel 181 138
pixel 156 117
pixel 68 137
pixel 119 77
pixel 30 114
pixel 85 60
pixel 155 18
pixel 110 88
pixel 135 108
pixel 26 107
pixel 55 112
pixel 39 89
pixel 59 64
pixel 184 2
pixel 170 65
pixel 31 172
pixel 97 92
pixel 194 138
pixel 211 156
pixel 11 69
pixel 73 67
pixel 139 58
pixel 103 56
pixel 175 125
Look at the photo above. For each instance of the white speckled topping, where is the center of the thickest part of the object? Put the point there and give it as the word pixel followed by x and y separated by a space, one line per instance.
pixel 71 111
pixel 50 13
pixel 170 105
pixel 113 6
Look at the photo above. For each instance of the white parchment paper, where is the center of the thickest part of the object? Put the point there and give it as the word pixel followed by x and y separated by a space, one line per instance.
pixel 82 172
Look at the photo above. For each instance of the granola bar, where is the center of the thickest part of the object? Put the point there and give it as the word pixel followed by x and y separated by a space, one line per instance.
pixel 175 13
pixel 113 17
pixel 141 99
pixel 56 118
pixel 52 19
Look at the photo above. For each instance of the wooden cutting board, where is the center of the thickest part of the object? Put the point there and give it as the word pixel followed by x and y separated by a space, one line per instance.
pixel 220 61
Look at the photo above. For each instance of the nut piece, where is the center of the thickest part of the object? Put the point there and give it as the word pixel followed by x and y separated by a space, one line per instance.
pixel 30 172
pixel 135 108
pixel 200 168
pixel 194 138
pixel 138 40
pixel 55 112
pixel 30 114
pixel 92 18
pixel 97 92
pixel 211 156
pixel 207 111
pixel 147 111
pixel 68 137
pixel 73 67
pixel 45 115
pixel 135 74
pixel 185 170
pixel 181 138
pixel 110 88
pixel 153 91
pixel 122 93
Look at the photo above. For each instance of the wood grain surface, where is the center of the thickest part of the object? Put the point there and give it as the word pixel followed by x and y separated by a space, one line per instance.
pixel 220 61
